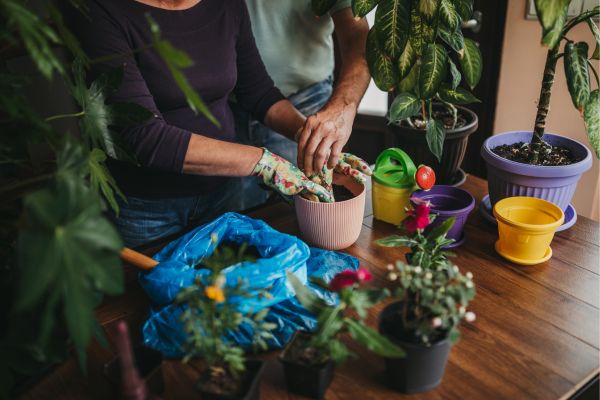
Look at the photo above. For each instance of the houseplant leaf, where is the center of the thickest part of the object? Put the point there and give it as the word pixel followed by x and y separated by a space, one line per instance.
pixel 428 8
pixel 392 20
pixel 102 181
pixel 405 105
pixel 421 33
pixel 307 298
pixel 471 63
pixel 457 95
pixel 396 241
pixel 577 73
pixel 453 38
pixel 552 15
pixel 464 8
pixel 596 32
pixel 591 117
pixel 321 7
pixel 381 67
pixel 406 60
pixel 441 229
pixel 435 135
pixel 454 74
pixel 432 70
pixel 372 340
pixel 360 8
pixel 449 16
pixel 410 81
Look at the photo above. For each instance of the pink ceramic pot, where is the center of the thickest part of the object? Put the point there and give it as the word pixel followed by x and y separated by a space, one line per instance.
pixel 332 226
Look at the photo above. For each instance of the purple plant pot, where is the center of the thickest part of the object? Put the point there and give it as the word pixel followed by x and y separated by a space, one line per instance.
pixel 448 201
pixel 509 178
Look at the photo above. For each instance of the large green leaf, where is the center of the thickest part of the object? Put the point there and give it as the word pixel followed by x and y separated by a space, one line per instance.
pixel 453 38
pixel 392 19
pixel 410 81
pixel 396 241
pixel 372 340
pixel 406 60
pixel 464 8
pixel 322 7
pixel 381 67
pixel 577 73
pixel 102 181
pixel 449 16
pixel 360 8
pixel 176 61
pixel 471 63
pixel 435 136
pixel 433 65
pixel 596 32
pixel 405 105
pixel 67 246
pixel 454 74
pixel 442 229
pixel 457 95
pixel 428 8
pixel 591 116
pixel 552 15
pixel 421 32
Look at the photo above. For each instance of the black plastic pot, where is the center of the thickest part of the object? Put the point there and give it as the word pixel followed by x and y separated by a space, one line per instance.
pixel 307 380
pixel 413 142
pixel 423 367
pixel 149 364
pixel 250 385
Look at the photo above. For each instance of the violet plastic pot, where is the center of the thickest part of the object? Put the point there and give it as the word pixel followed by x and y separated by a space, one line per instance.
pixel 446 202
pixel 555 184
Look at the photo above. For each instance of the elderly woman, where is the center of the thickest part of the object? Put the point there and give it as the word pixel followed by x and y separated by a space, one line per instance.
pixel 185 160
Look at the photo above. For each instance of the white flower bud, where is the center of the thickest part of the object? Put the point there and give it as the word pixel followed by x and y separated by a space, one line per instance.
pixel 470 316
pixel 392 276
pixel 436 322
pixel 455 269
pixel 469 284
pixel 462 310
pixel 469 275
pixel 428 275
pixel 390 267
pixel 418 270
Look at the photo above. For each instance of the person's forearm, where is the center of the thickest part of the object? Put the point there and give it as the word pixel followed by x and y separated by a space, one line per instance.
pixel 206 156
pixel 283 118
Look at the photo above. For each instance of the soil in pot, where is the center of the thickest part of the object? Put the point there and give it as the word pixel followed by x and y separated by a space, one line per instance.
pixel 549 155
pixel 218 384
pixel 228 253
pixel 341 193
pixel 444 115
pixel 423 367
pixel 307 372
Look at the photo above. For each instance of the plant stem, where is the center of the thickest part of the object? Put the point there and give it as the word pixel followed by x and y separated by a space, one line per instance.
pixel 580 18
pixel 60 116
pixel 543 104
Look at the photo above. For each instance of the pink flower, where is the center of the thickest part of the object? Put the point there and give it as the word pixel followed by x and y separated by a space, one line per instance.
pixel 364 275
pixel 343 280
pixel 417 218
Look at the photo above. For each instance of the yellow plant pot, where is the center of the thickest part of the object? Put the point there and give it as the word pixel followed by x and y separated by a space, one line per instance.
pixel 526 226
pixel 389 203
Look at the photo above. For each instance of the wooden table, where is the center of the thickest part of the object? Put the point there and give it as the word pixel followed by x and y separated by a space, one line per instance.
pixel 536 335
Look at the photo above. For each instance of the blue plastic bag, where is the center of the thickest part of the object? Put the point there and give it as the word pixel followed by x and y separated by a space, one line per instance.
pixel 279 253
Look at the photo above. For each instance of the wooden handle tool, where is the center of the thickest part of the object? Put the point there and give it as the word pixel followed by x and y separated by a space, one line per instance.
pixel 137 259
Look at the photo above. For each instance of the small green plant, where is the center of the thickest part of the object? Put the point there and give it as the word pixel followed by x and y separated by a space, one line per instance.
pixel 226 254
pixel 212 312
pixel 415 49
pixel 346 316
pixel 433 294
pixel 577 62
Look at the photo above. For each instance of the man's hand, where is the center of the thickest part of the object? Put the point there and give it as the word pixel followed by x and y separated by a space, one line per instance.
pixel 323 137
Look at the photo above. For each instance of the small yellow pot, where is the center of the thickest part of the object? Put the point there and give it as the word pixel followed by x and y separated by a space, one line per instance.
pixel 526 226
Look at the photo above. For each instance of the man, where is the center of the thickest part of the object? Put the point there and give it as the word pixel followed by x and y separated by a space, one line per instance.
pixel 297 49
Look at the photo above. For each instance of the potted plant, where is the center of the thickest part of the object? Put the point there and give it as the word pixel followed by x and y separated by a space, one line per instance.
pixel 538 164
pixel 212 313
pixel 310 358
pixel 432 299
pixel 413 50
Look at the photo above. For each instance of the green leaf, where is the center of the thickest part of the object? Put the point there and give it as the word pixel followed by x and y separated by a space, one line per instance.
pixel 405 105
pixel 305 296
pixel 372 340
pixel 67 246
pixel 454 74
pixel 428 8
pixel 464 9
pixel 457 96
pixel 381 67
pixel 177 60
pixel 360 8
pixel 432 70
pixel 396 241
pixel 450 17
pixel 453 38
pixel 421 33
pixel 441 229
pixel 591 116
pixel 435 136
pixel 322 7
pixel 102 181
pixel 471 63
pixel 410 81
pixel 552 15
pixel 406 60
pixel 596 32
pixel 392 20
pixel 577 73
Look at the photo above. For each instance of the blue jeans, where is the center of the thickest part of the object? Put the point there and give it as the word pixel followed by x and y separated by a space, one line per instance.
pixel 142 221
pixel 308 101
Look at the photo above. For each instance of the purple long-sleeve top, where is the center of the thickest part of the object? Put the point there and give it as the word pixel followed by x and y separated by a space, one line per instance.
pixel 217 36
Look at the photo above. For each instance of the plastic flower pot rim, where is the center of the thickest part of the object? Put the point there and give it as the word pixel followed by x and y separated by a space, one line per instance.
pixel 541 171
pixel 356 196
pixel 446 191
pixel 526 226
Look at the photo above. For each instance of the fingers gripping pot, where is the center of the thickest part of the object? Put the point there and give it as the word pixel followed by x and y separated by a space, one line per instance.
pixel 394 180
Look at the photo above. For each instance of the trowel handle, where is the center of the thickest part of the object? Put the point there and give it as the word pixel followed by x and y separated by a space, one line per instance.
pixel 137 259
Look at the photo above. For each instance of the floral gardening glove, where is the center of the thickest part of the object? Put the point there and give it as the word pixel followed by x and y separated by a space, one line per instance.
pixel 283 176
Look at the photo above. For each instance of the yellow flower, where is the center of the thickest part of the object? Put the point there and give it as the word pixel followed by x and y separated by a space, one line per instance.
pixel 214 293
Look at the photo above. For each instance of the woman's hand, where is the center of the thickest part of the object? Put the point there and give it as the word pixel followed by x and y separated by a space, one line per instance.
pixel 286 178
